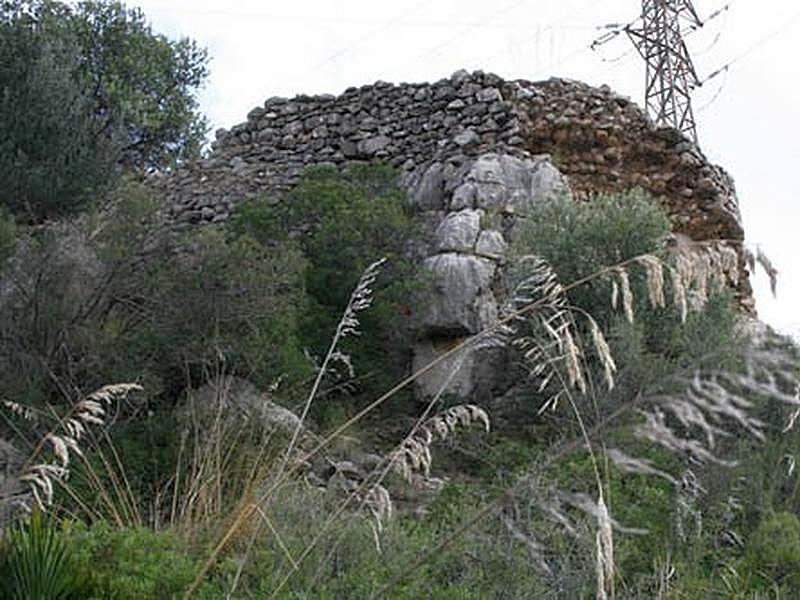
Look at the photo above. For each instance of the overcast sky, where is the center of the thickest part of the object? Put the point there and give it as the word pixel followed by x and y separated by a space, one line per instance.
pixel 747 116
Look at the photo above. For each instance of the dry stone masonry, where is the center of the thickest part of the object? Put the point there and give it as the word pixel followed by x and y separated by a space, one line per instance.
pixel 473 151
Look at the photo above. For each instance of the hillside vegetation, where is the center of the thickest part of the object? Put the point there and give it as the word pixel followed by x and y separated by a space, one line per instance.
pixel 229 412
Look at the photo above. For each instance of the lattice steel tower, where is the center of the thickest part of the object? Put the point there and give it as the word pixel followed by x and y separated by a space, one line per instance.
pixel 670 75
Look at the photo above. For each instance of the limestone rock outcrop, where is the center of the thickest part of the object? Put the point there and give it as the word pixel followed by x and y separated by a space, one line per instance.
pixel 476 207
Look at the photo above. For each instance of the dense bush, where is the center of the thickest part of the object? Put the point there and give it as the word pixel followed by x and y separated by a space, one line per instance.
pixel 93 304
pixel 131 563
pixel 342 224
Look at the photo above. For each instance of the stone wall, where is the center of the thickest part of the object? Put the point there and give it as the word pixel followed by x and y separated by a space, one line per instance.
pixel 406 125
pixel 600 140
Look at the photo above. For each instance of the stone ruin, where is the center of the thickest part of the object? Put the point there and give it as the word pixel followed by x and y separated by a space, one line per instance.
pixel 473 151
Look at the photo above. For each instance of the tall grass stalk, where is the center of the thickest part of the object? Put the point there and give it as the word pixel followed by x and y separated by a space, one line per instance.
pixel 249 509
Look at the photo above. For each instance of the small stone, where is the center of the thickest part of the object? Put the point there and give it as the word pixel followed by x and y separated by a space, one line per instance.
pixel 488 95
pixel 294 127
pixel 237 164
pixel 467 138
pixel 348 148
pixel 255 114
pixel 459 76
pixel 373 145
pixel 456 104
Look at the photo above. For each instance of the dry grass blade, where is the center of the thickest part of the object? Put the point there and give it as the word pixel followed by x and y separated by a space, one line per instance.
pixel 769 269
pixel 414 452
pixel 655 279
pixel 533 546
pixel 360 300
pixel 639 466
pixel 546 336
pixel 604 558
pixel 718 404
pixel 627 294
pixel 40 476
pixel 699 265
pixel 604 353
pixel 24 412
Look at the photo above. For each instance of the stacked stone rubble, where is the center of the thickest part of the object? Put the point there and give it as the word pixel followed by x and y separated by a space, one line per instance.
pixel 600 140
pixel 405 125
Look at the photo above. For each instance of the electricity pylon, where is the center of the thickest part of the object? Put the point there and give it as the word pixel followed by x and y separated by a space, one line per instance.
pixel 670 75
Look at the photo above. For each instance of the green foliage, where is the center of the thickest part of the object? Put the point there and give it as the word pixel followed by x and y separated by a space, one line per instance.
pixel 132 563
pixel 346 564
pixel 342 224
pixel 231 299
pixel 579 238
pixel 52 153
pixel 774 549
pixel 88 88
pixel 107 301
pixel 35 562
pixel 144 81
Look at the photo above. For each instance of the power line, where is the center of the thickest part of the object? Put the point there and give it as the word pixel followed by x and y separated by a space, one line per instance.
pixel 368 35
pixel 436 49
pixel 752 48
pixel 551 27
pixel 716 94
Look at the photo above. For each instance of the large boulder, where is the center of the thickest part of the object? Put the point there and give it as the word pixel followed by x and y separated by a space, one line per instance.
pixel 461 300
pixel 234 396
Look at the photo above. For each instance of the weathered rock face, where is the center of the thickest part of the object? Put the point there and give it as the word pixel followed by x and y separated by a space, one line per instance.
pixel 475 207
pixel 473 151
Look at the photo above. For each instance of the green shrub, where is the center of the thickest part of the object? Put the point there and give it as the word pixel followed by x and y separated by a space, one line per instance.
pixel 104 299
pixel 343 223
pixel 773 550
pixel 132 563
pixel 578 238
pixel 234 300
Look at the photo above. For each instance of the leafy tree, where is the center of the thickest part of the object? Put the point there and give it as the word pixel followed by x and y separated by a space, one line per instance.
pixel 86 91
pixel 52 153
pixel 141 81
